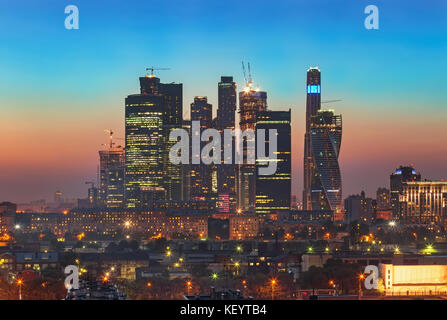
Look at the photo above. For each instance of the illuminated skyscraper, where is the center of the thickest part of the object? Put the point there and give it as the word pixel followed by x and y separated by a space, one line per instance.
pixel 150 116
pixel 111 176
pixel 325 141
pixel 226 114
pixel 322 188
pixel 251 102
pixel 397 179
pixel 201 174
pixel 313 104
pixel 273 192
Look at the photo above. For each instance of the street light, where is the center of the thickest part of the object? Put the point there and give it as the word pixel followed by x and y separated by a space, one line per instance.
pixel 273 283
pixel 188 286
pixel 361 277
pixel 20 283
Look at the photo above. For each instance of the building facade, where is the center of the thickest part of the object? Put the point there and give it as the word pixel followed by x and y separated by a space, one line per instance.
pixel 251 102
pixel 201 174
pixel 397 179
pixel 424 203
pixel 273 192
pixel 325 140
pixel 150 116
pixel 111 177
pixel 226 119
pixel 313 104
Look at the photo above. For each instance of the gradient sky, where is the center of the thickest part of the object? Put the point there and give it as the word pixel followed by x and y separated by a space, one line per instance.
pixel 59 89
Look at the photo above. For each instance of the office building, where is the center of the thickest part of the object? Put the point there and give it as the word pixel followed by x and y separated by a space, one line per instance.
pixel 424 203
pixel 226 119
pixel 397 179
pixel 273 192
pixel 201 174
pixel 325 140
pixel 251 102
pixel 150 116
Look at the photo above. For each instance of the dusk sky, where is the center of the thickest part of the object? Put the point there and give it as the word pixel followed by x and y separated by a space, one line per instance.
pixel 59 88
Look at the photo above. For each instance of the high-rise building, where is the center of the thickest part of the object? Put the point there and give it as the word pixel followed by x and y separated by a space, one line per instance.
pixel 383 199
pixel 150 116
pixel 360 208
pixel 313 104
pixel 424 203
pixel 251 102
pixel 111 176
pixel 397 178
pixel 201 174
pixel 273 192
pixel 325 139
pixel 226 119
pixel 322 178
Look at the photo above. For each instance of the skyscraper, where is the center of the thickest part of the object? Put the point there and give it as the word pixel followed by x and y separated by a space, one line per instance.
pixel 111 176
pixel 150 116
pixel 273 192
pixel 251 102
pixel 313 104
pixel 226 115
pixel 322 178
pixel 325 140
pixel 397 179
pixel 201 174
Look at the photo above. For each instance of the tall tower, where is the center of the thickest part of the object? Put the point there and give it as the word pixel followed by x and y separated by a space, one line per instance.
pixel 150 116
pixel 226 119
pixel 313 104
pixel 251 102
pixel 273 192
pixel 111 175
pixel 201 174
pixel 325 141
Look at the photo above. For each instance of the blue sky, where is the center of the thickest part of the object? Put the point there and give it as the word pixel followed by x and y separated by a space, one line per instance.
pixel 52 79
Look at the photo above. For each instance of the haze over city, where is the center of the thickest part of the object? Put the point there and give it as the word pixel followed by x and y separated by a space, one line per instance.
pixel 59 90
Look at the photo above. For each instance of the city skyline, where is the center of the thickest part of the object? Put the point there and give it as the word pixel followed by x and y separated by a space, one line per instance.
pixel 63 121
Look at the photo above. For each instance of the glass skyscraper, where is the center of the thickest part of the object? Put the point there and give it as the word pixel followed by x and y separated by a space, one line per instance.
pixel 150 116
pixel 111 176
pixel 226 119
pixel 251 102
pixel 273 192
pixel 201 174
pixel 325 139
pixel 322 189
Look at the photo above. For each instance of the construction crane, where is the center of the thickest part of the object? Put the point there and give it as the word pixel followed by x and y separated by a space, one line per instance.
pixel 331 101
pixel 110 132
pixel 152 71
pixel 248 80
